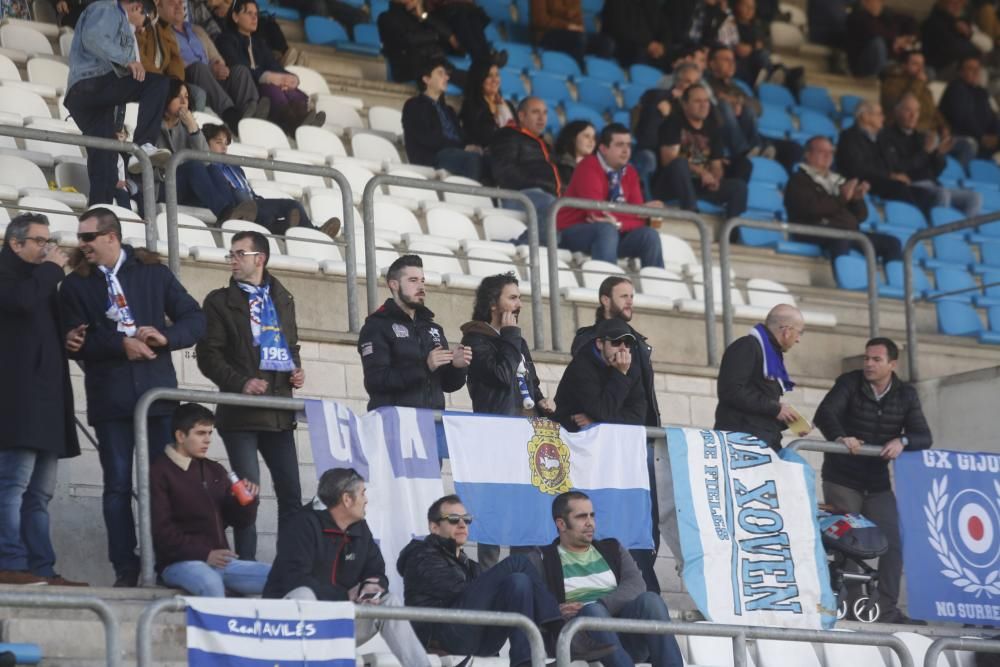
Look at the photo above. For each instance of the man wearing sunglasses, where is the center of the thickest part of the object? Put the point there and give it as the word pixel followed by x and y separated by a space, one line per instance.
pixel 36 399
pixel 124 312
pixel 437 573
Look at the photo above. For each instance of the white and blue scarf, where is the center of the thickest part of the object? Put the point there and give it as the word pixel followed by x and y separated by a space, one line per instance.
pixel 266 330
pixel 118 310
pixel 774 363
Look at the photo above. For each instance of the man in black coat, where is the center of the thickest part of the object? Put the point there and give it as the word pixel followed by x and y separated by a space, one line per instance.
pixel 36 399
pixel 326 552
pixel 437 573
pixel 750 389
pixel 116 307
pixel 966 106
pixel 236 355
pixel 872 407
pixel 412 37
pixel 404 354
pixel 639 30
pixel 947 37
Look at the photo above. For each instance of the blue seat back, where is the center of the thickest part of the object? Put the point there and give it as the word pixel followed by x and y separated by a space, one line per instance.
pixel 367 33
pixel 768 171
pixel 953 248
pixel 985 171
pixel 952 174
pixel 644 74
pixel 577 111
pixel 498 10
pixel 512 83
pixel 774 119
pixel 818 99
pixel 770 93
pixel 378 7
pixel 551 89
pixel 766 201
pixel 633 93
pixel 942 215
pixel 557 62
pixel 814 123
pixel 597 94
pixel 989 253
pixel 956 318
pixel 759 237
pixel 951 280
pixel 519 56
pixel 894 274
pixel 851 272
pixel 848 105
pixel 603 69
pixel 324 30
pixel 904 215
pixel 991 283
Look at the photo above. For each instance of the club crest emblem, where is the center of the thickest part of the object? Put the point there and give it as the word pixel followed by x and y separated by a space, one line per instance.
pixel 962 529
pixel 548 458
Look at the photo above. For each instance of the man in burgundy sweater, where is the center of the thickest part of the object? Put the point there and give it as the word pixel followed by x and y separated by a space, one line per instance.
pixel 607 176
pixel 192 504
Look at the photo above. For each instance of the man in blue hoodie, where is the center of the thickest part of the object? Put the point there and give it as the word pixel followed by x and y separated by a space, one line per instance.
pixel 104 73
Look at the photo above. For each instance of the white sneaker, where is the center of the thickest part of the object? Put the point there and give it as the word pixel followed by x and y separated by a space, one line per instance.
pixel 158 156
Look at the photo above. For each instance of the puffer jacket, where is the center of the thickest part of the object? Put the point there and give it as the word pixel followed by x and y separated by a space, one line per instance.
pixel 492 380
pixel 433 576
pixel 519 160
pixel 850 409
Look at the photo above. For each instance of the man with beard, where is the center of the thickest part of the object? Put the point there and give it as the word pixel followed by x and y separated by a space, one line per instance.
pixel 404 354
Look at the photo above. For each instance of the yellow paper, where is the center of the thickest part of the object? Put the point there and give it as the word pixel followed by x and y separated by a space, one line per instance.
pixel 801 424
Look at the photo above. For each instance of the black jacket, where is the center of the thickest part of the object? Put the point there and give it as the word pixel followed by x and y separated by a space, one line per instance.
pixel 860 157
pixel 228 357
pixel 519 160
pixel 605 394
pixel 235 50
pixel 478 122
pixel 641 351
pixel 633 24
pixel 862 27
pixel 394 351
pixel 967 109
pixel 408 42
pixel 493 372
pixel 808 203
pixel 113 383
pixel 314 552
pixel 748 402
pixel 422 131
pixel 630 582
pixel 434 577
pixel 943 44
pixel 905 153
pixel 36 398
pixel 850 409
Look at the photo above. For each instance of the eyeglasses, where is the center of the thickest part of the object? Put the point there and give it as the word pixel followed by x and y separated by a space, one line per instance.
pixel 241 254
pixel 453 519
pixel 41 240
pixel 620 342
pixel 90 237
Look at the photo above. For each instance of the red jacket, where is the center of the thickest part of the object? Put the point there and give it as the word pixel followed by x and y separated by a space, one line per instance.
pixel 591 182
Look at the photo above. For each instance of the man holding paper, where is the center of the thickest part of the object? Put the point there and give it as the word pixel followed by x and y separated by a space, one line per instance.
pixel 753 380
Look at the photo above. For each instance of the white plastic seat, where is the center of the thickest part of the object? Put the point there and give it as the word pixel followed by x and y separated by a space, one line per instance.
pixel 523 253
pixel 37 23
pixel 501 227
pixel 713 651
pixel 207 116
pixel 48 72
pixel 765 294
pixel 184 249
pixel 438 261
pixel 22 37
pixel 340 116
pixel 415 195
pixel 358 178
pixel 385 254
pixel 386 119
pixel 374 147
pixel 678 255
pixel 200 241
pixel 298 157
pixel 475 201
pixel 315 245
pixel 565 275
pixel 23 103
pixel 319 140
pixel 776 653
pixel 324 206
pixel 263 133
pixel 697 304
pixel 660 289
pixel 24 178
pixel 247 150
pixel 65 42
pixel 311 82
pixel 393 220
pixel 594 272
pixel 62 225
pixel 486 262
pixel 448 223
pixel 56 151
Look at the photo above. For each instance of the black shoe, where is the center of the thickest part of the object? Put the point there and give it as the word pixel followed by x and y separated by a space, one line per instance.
pixel 127 580
pixel 898 617
pixel 246 210
pixel 8 659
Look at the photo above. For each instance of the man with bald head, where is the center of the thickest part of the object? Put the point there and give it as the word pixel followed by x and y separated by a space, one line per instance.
pixel 753 380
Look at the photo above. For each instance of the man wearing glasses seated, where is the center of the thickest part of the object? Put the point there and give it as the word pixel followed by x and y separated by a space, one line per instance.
pixel 437 573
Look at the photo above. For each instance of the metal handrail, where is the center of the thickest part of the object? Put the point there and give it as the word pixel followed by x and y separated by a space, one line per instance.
pixel 958 644
pixel 739 634
pixel 371 270
pixel 908 297
pixel 804 230
pixel 101 143
pixel 170 190
pixel 705 238
pixel 112 645
pixel 144 644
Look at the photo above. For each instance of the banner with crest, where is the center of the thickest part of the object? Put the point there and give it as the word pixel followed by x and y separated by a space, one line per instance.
pixel 949 512
pixel 508 469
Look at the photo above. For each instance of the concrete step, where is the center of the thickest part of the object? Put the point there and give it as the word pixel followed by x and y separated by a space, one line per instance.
pixel 84 639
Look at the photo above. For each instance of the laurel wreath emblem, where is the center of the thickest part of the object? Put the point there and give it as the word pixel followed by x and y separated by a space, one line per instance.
pixel 960 576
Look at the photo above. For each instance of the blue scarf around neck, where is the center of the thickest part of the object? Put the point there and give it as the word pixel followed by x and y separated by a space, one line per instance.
pixel 774 363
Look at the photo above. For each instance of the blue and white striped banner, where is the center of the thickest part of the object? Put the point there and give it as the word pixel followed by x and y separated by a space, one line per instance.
pixel 225 632
pixel 753 554
pixel 508 469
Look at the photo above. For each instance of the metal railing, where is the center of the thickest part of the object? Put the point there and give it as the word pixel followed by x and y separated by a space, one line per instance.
pixel 112 645
pixel 100 143
pixel 912 357
pixel 144 644
pixel 738 633
pixel 170 191
pixel 958 644
pixel 371 270
pixel 705 240
pixel 803 230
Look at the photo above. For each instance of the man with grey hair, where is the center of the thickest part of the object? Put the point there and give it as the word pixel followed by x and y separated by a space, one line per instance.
pixel 327 552
pixel 36 400
pixel 753 380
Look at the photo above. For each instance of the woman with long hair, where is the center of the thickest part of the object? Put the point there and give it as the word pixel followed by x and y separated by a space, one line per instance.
pixel 577 140
pixel 484 109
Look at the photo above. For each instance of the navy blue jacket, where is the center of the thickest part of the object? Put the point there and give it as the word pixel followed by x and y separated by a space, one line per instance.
pixel 113 383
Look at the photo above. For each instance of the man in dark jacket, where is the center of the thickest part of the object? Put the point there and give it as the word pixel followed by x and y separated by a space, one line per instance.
pixel 639 31
pixel 966 105
pixel 872 407
pixel 327 553
pixel 815 195
pixel 115 308
pixel 946 37
pixel 411 37
pixel 404 354
pixel 431 129
pixel 875 35
pixel 598 578
pixel 192 504
pixel 252 347
pixel 437 573
pixel 36 399
pixel 753 379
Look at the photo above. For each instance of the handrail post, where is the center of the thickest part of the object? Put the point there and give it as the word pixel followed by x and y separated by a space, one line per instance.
pixel 112 643
pixel 958 644
pixel 144 628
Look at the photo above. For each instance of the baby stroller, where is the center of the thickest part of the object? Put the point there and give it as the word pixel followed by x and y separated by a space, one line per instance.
pixel 851 539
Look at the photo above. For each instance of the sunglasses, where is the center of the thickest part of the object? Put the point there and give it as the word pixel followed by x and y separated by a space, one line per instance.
pixel 453 519
pixel 90 237
pixel 620 342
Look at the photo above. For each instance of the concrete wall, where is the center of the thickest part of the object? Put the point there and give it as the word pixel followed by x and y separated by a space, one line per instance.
pixel 960 409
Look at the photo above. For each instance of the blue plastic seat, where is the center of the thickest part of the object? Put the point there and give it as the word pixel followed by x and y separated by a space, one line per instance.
pixel 512 83
pixel 548 87
pixel 578 111
pixel 594 6
pixel 769 172
pixel 993 319
pixel 943 215
pixel 771 93
pixel 492 32
pixel 991 282
pixel 622 117
pixel 989 253
pixel 744 86
pixel 590 22
pixel 603 69
pixel 851 272
pixel 367 34
pixel 498 10
pixel 460 62
pixel 901 214
pixel 765 204
pixel 632 94
pixel 644 74
pixel 557 63
pixel 759 238
pixel 811 124
pixel 991 201
pixel 848 105
pixel 377 8
pixel 284 13
pixel 921 285
pixel 953 280
pixel 774 122
pixel 519 56
pixel 818 99
pixel 325 31
pixel 951 251
pixel 956 318
pixel 953 174
pixel 597 94
pixel 985 172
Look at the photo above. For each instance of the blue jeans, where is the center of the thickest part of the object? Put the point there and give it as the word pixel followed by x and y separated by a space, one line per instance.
pixel 461 162
pixel 201 579
pixel 675 181
pixel 604 242
pixel 513 585
pixel 278 450
pixel 116 449
pixel 658 650
pixel 542 201
pixel 27 482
